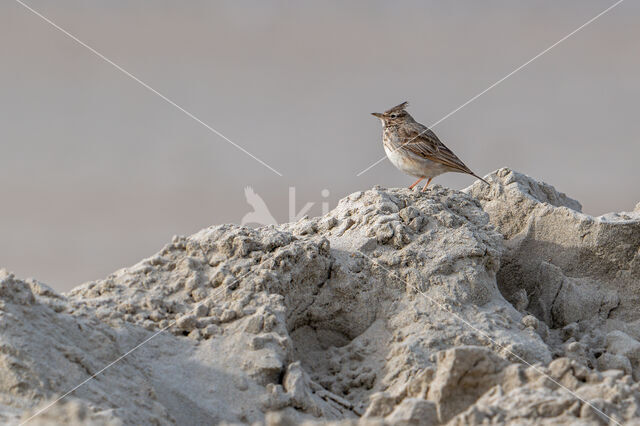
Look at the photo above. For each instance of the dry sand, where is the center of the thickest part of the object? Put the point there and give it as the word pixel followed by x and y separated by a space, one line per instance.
pixel 397 307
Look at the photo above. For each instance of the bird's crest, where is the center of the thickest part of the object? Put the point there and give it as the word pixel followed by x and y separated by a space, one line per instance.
pixel 398 108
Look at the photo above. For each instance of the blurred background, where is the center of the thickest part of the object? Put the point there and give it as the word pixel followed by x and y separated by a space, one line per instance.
pixel 96 172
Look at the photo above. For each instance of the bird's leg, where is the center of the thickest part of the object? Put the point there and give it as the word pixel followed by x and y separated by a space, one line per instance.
pixel 415 183
pixel 426 184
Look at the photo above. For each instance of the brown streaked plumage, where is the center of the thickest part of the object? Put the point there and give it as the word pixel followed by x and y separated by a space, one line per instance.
pixel 415 149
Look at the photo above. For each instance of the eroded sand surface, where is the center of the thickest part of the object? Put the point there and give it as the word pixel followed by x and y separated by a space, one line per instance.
pixel 397 307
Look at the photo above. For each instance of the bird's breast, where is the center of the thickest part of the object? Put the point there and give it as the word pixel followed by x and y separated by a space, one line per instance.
pixel 410 163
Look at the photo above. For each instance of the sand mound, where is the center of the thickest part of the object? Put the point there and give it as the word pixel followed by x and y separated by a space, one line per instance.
pixel 396 307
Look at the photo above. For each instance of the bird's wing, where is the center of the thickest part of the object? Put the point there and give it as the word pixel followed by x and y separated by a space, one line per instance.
pixel 252 198
pixel 421 141
pixel 260 213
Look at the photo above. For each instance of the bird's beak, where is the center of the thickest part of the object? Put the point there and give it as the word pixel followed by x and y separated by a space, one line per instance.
pixel 376 114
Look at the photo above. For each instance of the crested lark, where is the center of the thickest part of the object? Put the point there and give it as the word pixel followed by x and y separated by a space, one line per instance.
pixel 415 149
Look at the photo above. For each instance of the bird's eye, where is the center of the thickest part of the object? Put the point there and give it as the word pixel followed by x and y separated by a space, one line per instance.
pixel 393 115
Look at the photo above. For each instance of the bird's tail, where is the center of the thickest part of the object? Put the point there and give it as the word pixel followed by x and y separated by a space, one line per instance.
pixel 476 176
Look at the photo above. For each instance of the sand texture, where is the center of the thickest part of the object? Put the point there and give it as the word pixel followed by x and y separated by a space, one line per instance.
pixel 500 304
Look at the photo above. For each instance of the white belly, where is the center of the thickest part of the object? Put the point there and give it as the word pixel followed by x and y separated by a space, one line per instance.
pixel 414 165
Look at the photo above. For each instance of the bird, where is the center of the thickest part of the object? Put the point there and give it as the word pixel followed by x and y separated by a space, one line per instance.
pixel 260 214
pixel 415 149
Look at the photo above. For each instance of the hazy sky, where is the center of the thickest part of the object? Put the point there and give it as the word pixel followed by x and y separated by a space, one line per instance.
pixel 97 172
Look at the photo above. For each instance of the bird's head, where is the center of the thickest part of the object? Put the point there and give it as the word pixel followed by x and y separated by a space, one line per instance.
pixel 395 115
